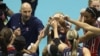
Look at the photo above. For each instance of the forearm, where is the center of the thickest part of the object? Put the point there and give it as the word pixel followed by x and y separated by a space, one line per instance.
pixel 12 40
pixel 46 30
pixel 86 37
pixel 81 19
pixel 37 43
pixel 55 33
pixel 86 26
pixel 34 46
pixel 80 24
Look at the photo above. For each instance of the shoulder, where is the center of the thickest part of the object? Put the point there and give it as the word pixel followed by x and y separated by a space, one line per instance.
pixel 35 19
pixel 16 15
pixel 85 50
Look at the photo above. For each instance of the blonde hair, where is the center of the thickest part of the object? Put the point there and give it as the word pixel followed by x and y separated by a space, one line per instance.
pixel 60 18
pixel 60 13
pixel 90 1
pixel 72 36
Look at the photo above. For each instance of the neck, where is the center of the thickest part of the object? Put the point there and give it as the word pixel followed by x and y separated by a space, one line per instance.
pixel 22 20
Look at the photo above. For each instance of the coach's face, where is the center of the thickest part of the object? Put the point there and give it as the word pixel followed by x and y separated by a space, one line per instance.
pixel 26 12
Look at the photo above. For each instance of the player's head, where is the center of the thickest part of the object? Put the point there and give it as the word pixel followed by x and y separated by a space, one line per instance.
pixel 90 15
pixel 72 37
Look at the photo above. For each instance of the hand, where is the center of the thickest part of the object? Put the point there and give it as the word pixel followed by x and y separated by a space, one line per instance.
pixel 32 48
pixel 54 24
pixel 82 11
pixel 67 18
pixel 41 35
pixel 81 19
pixel 49 21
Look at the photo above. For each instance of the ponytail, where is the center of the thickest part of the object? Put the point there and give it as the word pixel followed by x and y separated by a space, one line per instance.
pixel 74 48
pixel 72 36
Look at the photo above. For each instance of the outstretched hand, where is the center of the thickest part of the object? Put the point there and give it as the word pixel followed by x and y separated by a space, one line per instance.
pixel 67 18
pixel 54 24
pixel 41 35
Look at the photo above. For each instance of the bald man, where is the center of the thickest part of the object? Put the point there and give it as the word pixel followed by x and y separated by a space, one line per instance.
pixel 33 4
pixel 30 26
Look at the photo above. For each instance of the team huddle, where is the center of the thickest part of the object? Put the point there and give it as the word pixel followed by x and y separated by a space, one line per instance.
pixel 22 33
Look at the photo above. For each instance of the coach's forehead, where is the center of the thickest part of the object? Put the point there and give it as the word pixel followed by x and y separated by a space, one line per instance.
pixel 26 5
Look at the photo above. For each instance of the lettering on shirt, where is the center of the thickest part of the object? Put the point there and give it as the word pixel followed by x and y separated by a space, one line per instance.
pixel 69 54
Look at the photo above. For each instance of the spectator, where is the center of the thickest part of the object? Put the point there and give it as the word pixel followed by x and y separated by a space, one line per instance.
pixel 4 12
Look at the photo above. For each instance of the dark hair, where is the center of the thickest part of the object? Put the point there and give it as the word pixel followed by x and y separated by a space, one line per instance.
pixel 54 50
pixel 19 43
pixel 6 33
pixel 3 46
pixel 1 0
pixel 93 11
pixel 98 14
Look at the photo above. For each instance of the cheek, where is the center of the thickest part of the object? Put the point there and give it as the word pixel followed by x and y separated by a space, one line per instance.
pixel 86 20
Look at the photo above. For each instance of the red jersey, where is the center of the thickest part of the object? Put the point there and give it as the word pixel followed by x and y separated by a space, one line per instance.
pixel 93 44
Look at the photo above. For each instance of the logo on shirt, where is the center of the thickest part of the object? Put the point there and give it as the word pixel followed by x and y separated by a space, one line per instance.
pixel 27 28
pixel 14 27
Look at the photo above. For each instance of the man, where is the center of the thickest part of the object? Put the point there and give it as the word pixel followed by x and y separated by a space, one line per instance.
pixel 30 26
pixel 33 4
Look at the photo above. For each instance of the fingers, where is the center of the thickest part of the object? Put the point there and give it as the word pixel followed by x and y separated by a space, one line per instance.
pixel 66 18
pixel 82 11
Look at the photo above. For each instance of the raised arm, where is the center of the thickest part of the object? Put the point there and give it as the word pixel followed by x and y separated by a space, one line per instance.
pixel 86 36
pixel 46 28
pixel 84 25
pixel 35 45
pixel 81 18
pixel 60 45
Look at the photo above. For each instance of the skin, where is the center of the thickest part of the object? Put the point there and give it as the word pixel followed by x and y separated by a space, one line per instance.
pixel 26 11
pixel 62 45
pixel 91 30
pixel 85 26
pixel 61 28
pixel 95 4
pixel 9 12
pixel 92 3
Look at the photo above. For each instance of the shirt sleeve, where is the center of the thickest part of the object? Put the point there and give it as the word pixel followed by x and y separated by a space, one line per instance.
pixel 40 25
